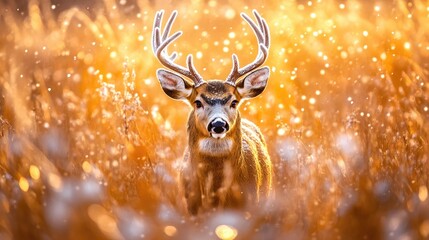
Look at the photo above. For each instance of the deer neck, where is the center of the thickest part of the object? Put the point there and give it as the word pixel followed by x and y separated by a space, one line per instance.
pixel 209 149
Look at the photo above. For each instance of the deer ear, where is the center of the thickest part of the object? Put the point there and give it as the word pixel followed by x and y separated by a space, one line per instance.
pixel 254 83
pixel 174 85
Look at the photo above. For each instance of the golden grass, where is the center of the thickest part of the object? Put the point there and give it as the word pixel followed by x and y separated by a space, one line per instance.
pixel 89 143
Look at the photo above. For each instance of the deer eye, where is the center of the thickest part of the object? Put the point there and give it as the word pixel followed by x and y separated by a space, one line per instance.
pixel 234 104
pixel 198 104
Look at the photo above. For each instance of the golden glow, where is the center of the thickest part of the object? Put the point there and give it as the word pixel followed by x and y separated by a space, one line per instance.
pixel 104 221
pixel 23 184
pixel 34 172
pixel 170 230
pixel 55 181
pixel 229 13
pixel 226 232
pixel 86 166
pixel 423 193
pixel 113 54
pixel 424 228
pixel 281 131
pixel 407 45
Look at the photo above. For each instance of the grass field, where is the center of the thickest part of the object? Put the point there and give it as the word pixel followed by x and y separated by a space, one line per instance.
pixel 89 143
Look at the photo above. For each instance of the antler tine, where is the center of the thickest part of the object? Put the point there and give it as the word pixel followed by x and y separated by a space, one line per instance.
pixel 194 71
pixel 156 23
pixel 263 35
pixel 168 25
pixel 264 28
pixel 255 28
pixel 160 44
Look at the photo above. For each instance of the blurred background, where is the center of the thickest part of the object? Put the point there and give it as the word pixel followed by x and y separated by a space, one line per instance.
pixel 89 143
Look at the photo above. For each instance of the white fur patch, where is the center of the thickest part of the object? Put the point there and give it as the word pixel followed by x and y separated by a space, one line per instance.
pixel 214 147
pixel 218 135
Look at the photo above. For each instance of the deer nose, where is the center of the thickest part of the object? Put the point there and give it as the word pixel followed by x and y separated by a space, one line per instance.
pixel 218 125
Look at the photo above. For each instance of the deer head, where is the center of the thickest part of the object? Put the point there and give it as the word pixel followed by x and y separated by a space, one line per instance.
pixel 215 102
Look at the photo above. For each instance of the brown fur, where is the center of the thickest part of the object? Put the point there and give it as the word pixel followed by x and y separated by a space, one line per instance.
pixel 226 162
pixel 241 176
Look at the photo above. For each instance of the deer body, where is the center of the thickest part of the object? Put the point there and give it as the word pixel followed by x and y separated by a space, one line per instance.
pixel 225 172
pixel 226 163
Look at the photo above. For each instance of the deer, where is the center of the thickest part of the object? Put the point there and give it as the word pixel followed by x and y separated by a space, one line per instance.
pixel 226 162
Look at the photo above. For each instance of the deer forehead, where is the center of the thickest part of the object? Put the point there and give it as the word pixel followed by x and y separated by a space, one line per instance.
pixel 215 91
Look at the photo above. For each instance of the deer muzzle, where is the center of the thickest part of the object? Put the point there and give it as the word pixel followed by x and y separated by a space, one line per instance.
pixel 218 128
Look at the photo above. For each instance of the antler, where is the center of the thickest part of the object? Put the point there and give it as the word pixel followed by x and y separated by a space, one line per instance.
pixel 159 47
pixel 263 34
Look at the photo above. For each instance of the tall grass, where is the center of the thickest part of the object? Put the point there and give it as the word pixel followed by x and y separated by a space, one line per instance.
pixel 89 144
